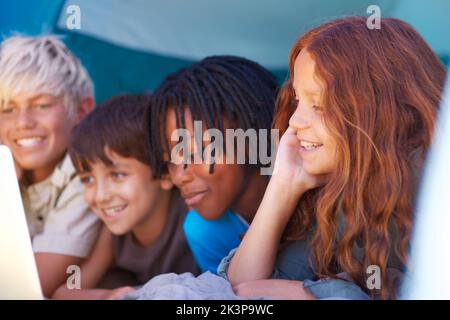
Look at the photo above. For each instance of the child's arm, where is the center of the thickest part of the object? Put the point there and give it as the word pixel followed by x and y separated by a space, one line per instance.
pixel 328 288
pixel 255 257
pixel 52 270
pixel 93 294
pixel 274 288
pixel 92 270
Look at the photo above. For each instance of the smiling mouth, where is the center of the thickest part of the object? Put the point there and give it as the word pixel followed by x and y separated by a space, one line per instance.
pixel 193 198
pixel 309 146
pixel 29 142
pixel 113 212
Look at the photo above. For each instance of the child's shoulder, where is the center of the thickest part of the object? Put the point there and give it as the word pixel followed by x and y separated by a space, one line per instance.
pixel 61 187
pixel 65 182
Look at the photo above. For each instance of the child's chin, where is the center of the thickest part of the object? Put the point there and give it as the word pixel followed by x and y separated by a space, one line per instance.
pixel 118 230
pixel 209 214
pixel 32 162
pixel 313 169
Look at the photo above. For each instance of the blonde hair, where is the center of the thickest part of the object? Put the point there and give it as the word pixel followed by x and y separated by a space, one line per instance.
pixel 43 65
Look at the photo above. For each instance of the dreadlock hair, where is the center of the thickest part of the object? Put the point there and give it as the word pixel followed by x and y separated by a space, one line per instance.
pixel 117 124
pixel 216 88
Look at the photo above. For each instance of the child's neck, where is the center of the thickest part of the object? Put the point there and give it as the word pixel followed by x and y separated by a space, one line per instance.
pixel 148 230
pixel 40 174
pixel 252 195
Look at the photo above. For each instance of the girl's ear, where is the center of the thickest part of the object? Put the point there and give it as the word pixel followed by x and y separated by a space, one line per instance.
pixel 165 182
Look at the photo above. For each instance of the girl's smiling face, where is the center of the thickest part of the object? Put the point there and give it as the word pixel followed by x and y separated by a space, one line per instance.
pixel 317 146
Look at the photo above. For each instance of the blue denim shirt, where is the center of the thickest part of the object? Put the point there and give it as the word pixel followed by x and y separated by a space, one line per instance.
pixel 293 264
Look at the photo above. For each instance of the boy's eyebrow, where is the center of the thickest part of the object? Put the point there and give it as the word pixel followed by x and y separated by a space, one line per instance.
pixel 14 101
pixel 117 165
pixel 41 96
pixel 83 172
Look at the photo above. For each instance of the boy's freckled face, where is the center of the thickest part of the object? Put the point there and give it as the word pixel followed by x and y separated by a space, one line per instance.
pixel 122 194
pixel 36 128
pixel 209 194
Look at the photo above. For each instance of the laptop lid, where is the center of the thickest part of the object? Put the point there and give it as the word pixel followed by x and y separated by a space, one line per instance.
pixel 18 273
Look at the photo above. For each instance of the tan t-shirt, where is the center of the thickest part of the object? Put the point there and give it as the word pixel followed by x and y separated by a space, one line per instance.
pixel 59 220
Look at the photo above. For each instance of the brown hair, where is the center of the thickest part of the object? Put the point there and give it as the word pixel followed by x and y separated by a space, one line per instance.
pixel 118 124
pixel 382 90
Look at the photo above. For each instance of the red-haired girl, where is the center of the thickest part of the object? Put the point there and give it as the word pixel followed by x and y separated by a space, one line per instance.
pixel 357 114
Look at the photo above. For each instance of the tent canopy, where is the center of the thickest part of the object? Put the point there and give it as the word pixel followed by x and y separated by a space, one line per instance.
pixel 130 46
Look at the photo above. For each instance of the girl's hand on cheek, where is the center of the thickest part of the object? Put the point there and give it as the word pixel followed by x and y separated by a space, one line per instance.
pixel 288 165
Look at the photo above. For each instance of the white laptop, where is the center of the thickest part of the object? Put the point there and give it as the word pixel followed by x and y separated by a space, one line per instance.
pixel 18 273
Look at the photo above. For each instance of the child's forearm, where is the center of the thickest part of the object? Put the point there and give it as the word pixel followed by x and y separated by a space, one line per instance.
pixel 63 293
pixel 256 254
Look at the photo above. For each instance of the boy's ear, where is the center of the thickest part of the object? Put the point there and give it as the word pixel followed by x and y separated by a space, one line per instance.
pixel 165 182
pixel 86 106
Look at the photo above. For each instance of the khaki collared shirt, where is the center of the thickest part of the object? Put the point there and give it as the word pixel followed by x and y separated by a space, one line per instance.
pixel 59 220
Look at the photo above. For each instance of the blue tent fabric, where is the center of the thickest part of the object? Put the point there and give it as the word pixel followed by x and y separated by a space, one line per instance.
pixel 261 30
pixel 113 68
pixel 116 69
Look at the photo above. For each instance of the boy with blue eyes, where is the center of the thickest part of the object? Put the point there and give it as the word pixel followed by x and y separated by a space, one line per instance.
pixel 142 216
pixel 44 92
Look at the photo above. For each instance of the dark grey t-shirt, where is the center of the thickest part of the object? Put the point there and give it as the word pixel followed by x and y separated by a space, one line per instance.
pixel 169 253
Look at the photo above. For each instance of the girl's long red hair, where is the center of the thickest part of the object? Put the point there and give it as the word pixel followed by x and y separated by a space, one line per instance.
pixel 382 89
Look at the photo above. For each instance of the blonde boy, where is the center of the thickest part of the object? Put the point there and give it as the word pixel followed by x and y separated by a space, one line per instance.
pixel 44 92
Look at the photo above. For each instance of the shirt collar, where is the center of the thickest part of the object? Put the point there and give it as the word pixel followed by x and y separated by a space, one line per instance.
pixel 63 173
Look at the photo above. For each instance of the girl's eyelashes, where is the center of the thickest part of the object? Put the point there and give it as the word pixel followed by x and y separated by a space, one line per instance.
pixel 295 101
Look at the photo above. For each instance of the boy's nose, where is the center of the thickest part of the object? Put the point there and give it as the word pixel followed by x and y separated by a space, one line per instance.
pixel 102 194
pixel 25 120
pixel 180 174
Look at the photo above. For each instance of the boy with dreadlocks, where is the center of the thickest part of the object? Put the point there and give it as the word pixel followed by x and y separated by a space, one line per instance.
pixel 225 92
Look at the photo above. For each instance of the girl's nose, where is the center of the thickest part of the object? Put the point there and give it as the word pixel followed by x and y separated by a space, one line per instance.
pixel 300 118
